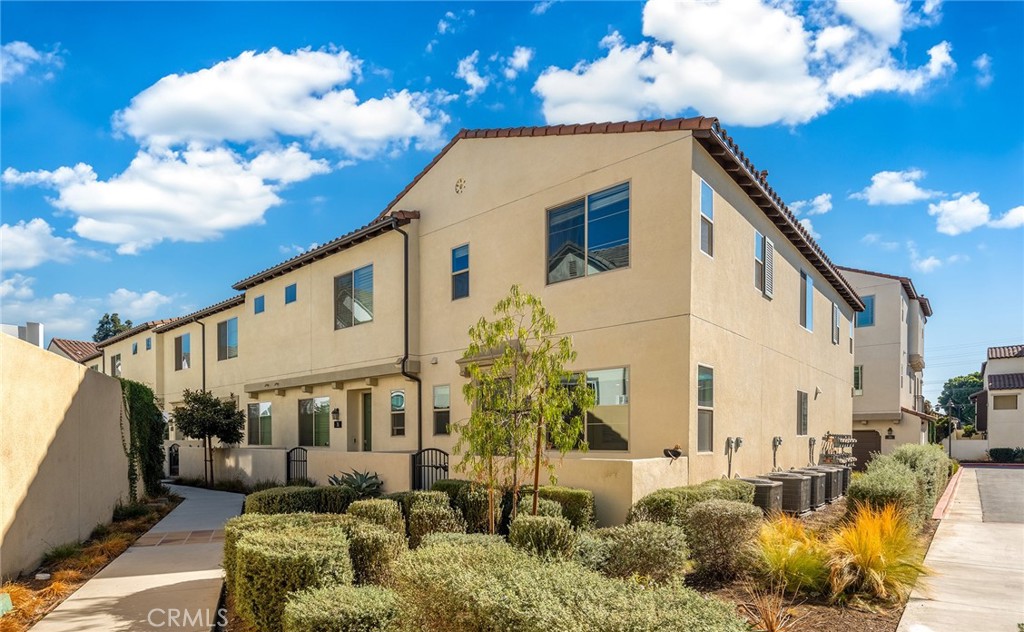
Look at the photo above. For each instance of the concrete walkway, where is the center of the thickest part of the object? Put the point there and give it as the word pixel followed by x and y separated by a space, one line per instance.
pixel 169 580
pixel 977 556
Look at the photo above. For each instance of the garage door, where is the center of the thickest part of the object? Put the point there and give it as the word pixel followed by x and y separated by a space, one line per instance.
pixel 868 441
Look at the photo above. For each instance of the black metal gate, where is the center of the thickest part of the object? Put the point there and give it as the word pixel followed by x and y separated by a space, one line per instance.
pixel 428 467
pixel 296 465
pixel 172 459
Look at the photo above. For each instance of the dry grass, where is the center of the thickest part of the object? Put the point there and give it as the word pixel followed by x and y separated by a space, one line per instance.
pixel 68 576
pixel 792 557
pixel 768 610
pixel 26 604
pixel 55 590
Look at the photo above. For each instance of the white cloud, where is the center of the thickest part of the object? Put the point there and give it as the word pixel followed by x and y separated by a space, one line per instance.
pixel 452 21
pixel 1014 218
pixel 881 18
pixel 748 62
pixel 924 265
pixel 17 57
pixel 16 287
pixel 983 64
pixel 28 244
pixel 294 249
pixel 540 8
pixel 895 187
pixel 819 205
pixel 467 71
pixel 62 314
pixel 961 214
pixel 809 227
pixel 139 305
pixel 518 62
pixel 874 239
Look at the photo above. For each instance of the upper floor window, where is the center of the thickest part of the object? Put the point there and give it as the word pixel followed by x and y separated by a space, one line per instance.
pixel 291 293
pixel 460 272
pixel 442 409
pixel 182 352
pixel 149 344
pixel 315 422
pixel 590 235
pixel 858 379
pixel 260 429
pixel 707 219
pixel 764 264
pixel 227 339
pixel 115 365
pixel 801 413
pixel 1004 402
pixel 867 317
pixel 397 413
pixel 835 323
pixel 258 305
pixel 806 301
pixel 705 409
pixel 353 298
pixel 135 348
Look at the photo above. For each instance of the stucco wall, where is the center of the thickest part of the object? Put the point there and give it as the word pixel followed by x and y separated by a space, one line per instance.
pixel 968 449
pixel 1006 426
pixel 62 467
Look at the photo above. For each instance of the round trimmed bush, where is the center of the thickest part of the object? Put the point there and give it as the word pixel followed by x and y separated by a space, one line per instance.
pixel 382 511
pixel 426 518
pixel 545 536
pixel 720 534
pixel 648 549
pixel 295 499
pixel 592 550
pixel 578 506
pixel 545 507
pixel 342 609
pixel 373 549
pixel 889 482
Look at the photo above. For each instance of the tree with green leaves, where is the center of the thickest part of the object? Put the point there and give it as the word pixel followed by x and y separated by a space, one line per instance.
pixel 957 391
pixel 523 399
pixel 206 417
pixel 109 326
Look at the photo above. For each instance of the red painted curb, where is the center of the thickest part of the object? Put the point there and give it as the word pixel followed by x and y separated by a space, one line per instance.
pixel 942 507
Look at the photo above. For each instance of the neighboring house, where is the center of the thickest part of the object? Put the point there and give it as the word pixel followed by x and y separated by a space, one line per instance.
pixel 134 353
pixel 888 372
pixel 700 308
pixel 80 351
pixel 1000 406
pixel 30 332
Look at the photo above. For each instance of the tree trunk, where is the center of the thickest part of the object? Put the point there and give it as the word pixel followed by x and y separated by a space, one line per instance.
pixel 490 494
pixel 536 466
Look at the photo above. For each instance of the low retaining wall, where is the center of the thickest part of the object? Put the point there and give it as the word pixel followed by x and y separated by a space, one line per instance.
pixel 968 449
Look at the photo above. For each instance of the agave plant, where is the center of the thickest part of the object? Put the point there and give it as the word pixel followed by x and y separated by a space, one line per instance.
pixel 364 484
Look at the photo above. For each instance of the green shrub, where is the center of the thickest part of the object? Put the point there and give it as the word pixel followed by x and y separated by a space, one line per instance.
pixel 671 504
pixel 931 465
pixel 294 499
pixel 1006 455
pixel 406 500
pixel 473 539
pixel 342 609
pixel 651 550
pixel 720 534
pixel 272 564
pixel 373 549
pixel 592 549
pixel 452 487
pixel 265 483
pixel 954 465
pixel 469 499
pixel 545 536
pixel 578 505
pixel 362 484
pixel 545 507
pixel 427 517
pixel 467 588
pixel 60 553
pixel 380 511
pixel 888 482
pixel 731 489
pixel 124 512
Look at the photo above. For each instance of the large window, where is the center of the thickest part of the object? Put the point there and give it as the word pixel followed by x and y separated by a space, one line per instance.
pixel 1004 402
pixel 607 423
pixel 260 424
pixel 258 305
pixel 707 219
pixel 460 272
pixel 867 317
pixel 353 298
pixel 835 324
pixel 397 413
pixel 227 339
pixel 315 422
pixel 182 352
pixel 801 413
pixel 806 301
pixel 858 379
pixel 291 293
pixel 442 409
pixel 705 409
pixel 590 235
pixel 115 365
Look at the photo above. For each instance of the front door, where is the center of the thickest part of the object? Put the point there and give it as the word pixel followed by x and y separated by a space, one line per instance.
pixel 367 422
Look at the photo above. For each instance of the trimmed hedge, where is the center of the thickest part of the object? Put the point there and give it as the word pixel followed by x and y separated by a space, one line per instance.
pixel 931 465
pixel 888 482
pixel 652 550
pixel 1006 455
pixel 342 609
pixel 469 499
pixel 272 564
pixel 427 517
pixel 473 539
pixel 374 549
pixel 720 534
pixel 384 512
pixel 545 507
pixel 671 504
pixel 295 499
pixel 578 506
pixel 545 536
pixel 406 500
pixel 462 588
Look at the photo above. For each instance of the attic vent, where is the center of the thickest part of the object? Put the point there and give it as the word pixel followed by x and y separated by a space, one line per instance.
pixel 460 185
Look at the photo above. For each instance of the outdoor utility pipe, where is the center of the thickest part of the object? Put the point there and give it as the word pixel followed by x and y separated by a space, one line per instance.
pixel 405 351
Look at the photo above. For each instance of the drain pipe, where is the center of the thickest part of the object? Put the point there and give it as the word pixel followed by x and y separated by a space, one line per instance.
pixel 405 351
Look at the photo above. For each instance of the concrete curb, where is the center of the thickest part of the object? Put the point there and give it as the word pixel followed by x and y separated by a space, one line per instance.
pixel 942 507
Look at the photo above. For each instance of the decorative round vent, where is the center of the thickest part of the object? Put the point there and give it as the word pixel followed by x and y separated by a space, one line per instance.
pixel 460 185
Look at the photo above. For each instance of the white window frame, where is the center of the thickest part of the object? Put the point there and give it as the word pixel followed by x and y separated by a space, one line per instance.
pixel 836 319
pixel 456 273
pixel 702 217
pixel 436 409
pixel 710 409
pixel 858 378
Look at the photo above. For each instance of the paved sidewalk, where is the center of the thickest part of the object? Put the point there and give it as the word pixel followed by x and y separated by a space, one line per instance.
pixel 170 580
pixel 977 556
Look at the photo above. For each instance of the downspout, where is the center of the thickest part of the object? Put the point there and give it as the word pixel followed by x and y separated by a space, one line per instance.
pixel 202 336
pixel 207 443
pixel 405 352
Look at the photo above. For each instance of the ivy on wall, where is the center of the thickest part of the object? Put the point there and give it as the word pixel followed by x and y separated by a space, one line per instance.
pixel 143 441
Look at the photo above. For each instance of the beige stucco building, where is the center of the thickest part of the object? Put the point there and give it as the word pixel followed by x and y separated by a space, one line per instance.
pixel 1000 405
pixel 888 373
pixel 700 309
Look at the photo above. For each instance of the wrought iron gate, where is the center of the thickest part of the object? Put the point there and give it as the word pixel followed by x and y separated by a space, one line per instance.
pixel 428 466
pixel 296 465
pixel 172 459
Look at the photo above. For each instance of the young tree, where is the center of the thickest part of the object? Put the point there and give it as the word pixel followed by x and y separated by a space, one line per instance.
pixel 521 397
pixel 109 326
pixel 206 417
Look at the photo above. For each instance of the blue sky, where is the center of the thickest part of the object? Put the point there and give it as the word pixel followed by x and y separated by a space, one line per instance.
pixel 153 154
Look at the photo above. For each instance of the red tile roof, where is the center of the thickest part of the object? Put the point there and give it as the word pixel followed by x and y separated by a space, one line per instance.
pixel 723 149
pixel 1006 381
pixel 78 350
pixel 131 332
pixel 1002 353
pixel 203 313
pixel 908 287
pixel 917 413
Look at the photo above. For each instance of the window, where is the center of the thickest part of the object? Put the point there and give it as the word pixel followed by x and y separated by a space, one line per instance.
pixel 806 301
pixel 182 352
pixel 149 344
pixel 851 336
pixel 258 305
pixel 858 379
pixel 607 423
pixel 397 413
pixel 764 264
pixel 705 409
pixel 835 324
pixel 460 272
pixel 135 348
pixel 115 365
pixel 1004 402
pixel 801 413
pixel 95 367
pixel 227 339
pixel 259 424
pixel 867 317
pixel 315 422
pixel 353 298
pixel 442 409
pixel 707 219
pixel 291 293
pixel 590 235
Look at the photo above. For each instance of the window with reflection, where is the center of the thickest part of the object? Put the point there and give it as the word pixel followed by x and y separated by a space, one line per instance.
pixel 315 422
pixel 590 235
pixel 353 298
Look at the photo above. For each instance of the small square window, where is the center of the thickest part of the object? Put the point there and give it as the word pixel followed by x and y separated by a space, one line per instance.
pixel 258 305
pixel 291 293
